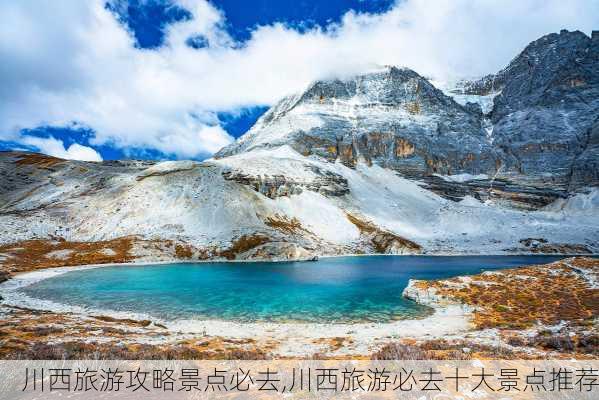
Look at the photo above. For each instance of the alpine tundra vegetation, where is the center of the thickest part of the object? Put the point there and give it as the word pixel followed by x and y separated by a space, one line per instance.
pixel 383 162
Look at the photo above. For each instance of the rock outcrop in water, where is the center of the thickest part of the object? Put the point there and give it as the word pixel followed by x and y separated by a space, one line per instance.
pixel 383 162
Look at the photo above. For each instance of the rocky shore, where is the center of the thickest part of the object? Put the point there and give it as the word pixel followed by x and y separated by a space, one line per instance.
pixel 383 162
pixel 531 312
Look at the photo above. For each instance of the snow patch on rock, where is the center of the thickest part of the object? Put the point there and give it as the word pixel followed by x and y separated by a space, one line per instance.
pixel 461 178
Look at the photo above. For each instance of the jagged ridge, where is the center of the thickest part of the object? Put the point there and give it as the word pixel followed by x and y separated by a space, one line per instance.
pixel 350 165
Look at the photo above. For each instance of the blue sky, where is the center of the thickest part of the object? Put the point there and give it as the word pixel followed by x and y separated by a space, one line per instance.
pixel 147 21
pixel 147 18
pixel 167 79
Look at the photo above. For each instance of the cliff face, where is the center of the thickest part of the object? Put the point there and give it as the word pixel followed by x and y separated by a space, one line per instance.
pixel 536 142
pixel 394 118
pixel 384 162
pixel 546 113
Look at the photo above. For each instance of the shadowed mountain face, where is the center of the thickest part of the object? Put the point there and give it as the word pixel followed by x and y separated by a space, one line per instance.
pixel 393 117
pixel 537 142
pixel 382 162
pixel 546 115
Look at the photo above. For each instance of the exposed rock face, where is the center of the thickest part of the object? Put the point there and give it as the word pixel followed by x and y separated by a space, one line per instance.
pixel 540 245
pixel 544 116
pixel 537 142
pixel 497 190
pixel 585 167
pixel 383 162
pixel 394 118
pixel 326 183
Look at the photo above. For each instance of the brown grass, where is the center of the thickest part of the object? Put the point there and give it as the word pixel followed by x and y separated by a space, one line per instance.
pixel 31 254
pixel 76 350
pixel 362 225
pixel 441 349
pixel 334 343
pixel 39 160
pixel 380 238
pixel 400 351
pixel 519 298
pixel 183 251
pixel 31 334
pixel 564 341
pixel 243 244
pixel 284 224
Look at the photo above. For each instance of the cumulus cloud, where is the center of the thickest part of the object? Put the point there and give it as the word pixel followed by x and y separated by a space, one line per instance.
pixel 56 148
pixel 71 61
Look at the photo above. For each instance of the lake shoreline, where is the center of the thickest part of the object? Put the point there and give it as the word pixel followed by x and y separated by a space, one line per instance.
pixel 26 278
pixel 145 262
pixel 455 319
pixel 451 322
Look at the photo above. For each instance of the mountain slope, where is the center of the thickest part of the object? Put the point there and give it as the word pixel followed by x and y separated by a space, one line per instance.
pixel 234 208
pixel 547 105
pixel 393 117
pixel 384 162
pixel 535 144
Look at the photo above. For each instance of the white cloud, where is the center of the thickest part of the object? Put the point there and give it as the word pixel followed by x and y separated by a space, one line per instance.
pixel 70 60
pixel 55 148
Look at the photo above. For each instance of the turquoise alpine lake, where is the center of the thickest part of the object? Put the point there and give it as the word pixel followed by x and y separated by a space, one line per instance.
pixel 342 289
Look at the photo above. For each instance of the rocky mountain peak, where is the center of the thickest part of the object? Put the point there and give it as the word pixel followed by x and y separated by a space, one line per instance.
pixel 548 104
pixel 545 56
pixel 387 86
pixel 537 137
pixel 548 69
pixel 393 117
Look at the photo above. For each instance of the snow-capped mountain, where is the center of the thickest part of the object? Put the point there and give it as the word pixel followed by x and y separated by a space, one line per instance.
pixel 383 162
pixel 546 114
pixel 394 118
pixel 532 126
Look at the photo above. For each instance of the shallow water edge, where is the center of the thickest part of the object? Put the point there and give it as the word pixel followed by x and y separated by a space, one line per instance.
pixel 12 291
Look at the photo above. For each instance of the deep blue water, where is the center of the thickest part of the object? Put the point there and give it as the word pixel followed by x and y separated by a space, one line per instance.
pixel 334 289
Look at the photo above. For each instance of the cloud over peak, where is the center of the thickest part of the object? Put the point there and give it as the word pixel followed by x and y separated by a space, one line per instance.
pixel 74 61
